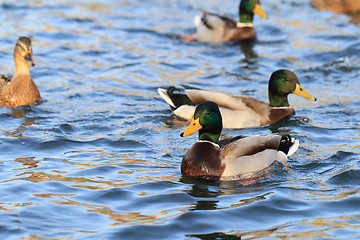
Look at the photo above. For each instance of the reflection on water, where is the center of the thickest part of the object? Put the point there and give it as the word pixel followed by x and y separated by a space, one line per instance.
pixel 319 228
pixel 100 157
pixel 21 113
pixel 218 235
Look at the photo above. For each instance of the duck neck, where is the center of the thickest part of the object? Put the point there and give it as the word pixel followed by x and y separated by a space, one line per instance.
pixel 21 67
pixel 276 100
pixel 22 81
pixel 245 16
pixel 206 136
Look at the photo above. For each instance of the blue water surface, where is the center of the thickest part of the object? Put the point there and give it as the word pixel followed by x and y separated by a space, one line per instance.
pixel 100 157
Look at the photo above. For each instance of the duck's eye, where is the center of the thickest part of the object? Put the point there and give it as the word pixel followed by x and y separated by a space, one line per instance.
pixel 208 112
pixel 20 46
pixel 286 79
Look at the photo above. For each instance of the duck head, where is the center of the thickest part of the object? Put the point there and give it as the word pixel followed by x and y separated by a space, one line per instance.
pixel 248 8
pixel 23 51
pixel 207 120
pixel 281 84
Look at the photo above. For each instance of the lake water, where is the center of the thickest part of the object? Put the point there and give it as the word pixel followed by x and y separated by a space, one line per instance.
pixel 100 158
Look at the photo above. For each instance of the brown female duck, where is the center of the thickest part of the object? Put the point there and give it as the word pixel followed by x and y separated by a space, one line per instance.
pixel 20 90
pixel 339 6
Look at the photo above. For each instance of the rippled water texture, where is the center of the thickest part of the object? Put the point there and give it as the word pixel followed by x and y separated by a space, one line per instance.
pixel 98 159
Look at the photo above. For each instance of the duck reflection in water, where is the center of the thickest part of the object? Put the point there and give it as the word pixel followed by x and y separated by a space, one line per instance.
pixel 21 112
pixel 216 235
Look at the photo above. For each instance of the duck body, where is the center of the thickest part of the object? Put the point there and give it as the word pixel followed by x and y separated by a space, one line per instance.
pixel 214 28
pixel 237 111
pixel 20 90
pixel 233 157
pixel 241 111
pixel 339 6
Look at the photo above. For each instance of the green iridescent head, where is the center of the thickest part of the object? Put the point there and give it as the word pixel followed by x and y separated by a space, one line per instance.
pixel 207 120
pixel 283 82
pixel 248 8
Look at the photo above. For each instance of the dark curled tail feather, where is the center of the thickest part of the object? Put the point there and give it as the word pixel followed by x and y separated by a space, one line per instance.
pixel 178 98
pixel 205 22
pixel 285 144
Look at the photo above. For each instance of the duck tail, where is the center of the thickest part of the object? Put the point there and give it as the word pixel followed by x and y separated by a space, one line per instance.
pixel 175 100
pixel 288 145
pixel 197 20
pixel 163 93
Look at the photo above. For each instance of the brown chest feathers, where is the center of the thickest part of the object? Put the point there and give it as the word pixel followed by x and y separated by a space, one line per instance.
pixel 20 91
pixel 202 160
pixel 278 114
pixel 243 33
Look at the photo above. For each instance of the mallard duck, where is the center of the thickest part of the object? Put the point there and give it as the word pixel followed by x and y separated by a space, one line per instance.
pixel 20 90
pixel 231 157
pixel 339 6
pixel 214 28
pixel 241 111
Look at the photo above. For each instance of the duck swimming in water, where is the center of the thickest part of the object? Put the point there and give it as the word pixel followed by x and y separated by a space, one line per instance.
pixel 214 28
pixel 211 158
pixel 20 90
pixel 241 111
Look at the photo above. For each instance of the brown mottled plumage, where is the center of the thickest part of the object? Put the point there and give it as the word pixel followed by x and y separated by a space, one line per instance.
pixel 339 6
pixel 20 90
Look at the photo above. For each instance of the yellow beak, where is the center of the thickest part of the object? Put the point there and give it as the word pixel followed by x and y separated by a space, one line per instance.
pixel 259 11
pixel 302 93
pixel 192 128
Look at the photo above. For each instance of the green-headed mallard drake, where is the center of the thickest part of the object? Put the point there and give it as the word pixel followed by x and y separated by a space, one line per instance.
pixel 339 6
pixel 242 155
pixel 241 111
pixel 214 28
pixel 20 90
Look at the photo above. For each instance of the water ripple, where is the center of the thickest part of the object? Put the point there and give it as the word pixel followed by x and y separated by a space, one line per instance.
pixel 100 157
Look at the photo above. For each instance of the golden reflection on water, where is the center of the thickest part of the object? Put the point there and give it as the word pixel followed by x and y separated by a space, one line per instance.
pixel 319 228
pixel 30 162
pixel 11 207
pixel 160 178
pixel 20 113
pixel 37 237
pixel 130 218
pixel 92 184
pixel 321 195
